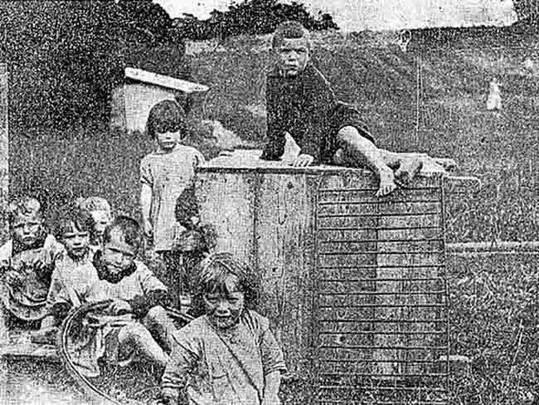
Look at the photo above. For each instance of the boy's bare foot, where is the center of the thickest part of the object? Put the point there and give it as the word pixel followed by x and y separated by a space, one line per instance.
pixel 387 183
pixel 408 169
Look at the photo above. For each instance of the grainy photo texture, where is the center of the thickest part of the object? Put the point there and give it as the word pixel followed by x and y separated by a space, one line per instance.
pixel 269 202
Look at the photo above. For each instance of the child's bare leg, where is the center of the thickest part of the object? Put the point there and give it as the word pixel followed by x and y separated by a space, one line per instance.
pixel 48 322
pixel 160 326
pixel 360 151
pixel 137 336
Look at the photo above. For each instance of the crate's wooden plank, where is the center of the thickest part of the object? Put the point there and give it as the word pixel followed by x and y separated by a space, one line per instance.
pixel 227 202
pixel 283 245
pixel 4 171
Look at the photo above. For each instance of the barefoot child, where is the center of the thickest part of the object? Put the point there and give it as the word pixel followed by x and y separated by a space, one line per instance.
pixel 165 174
pixel 101 214
pixel 229 355
pixel 27 261
pixel 135 321
pixel 301 102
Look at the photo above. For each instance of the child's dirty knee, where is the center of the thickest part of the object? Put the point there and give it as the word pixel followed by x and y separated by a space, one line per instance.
pixel 157 314
pixel 134 332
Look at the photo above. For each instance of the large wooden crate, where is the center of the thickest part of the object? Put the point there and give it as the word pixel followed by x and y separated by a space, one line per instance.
pixel 354 285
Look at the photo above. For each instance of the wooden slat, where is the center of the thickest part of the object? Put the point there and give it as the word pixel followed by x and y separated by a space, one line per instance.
pixel 4 171
pixel 163 81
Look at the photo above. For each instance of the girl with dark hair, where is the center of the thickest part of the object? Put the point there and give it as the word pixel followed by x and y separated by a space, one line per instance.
pixel 165 174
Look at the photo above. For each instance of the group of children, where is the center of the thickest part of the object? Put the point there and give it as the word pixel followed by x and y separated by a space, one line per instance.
pixel 227 355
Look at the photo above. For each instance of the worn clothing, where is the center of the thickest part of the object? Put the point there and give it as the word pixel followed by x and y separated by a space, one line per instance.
pixel 71 279
pixel 27 301
pixel 306 107
pixel 223 367
pixel 168 174
pixel 99 337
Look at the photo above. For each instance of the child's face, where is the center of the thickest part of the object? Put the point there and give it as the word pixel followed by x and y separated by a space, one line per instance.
pixel 76 242
pixel 224 310
pixel 293 55
pixel 117 254
pixel 168 140
pixel 101 218
pixel 26 229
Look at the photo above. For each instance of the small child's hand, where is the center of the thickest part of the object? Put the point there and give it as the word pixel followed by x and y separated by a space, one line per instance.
pixel 303 160
pixel 119 307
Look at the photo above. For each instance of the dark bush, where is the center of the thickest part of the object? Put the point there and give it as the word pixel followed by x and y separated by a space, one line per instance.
pixel 250 17
pixel 66 56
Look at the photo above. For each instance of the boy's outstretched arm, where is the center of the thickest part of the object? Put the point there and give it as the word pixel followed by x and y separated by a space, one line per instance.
pixel 145 205
pixel 272 384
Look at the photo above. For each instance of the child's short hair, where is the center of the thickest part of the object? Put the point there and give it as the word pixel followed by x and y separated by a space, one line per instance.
pixel 72 216
pixel 166 116
pixel 130 229
pixel 92 204
pixel 289 30
pixel 25 206
pixel 212 276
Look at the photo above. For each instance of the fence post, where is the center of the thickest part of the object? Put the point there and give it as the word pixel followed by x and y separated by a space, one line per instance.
pixel 4 169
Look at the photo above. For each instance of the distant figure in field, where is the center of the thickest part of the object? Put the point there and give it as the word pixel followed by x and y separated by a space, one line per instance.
pixel 27 261
pixel 494 100
pixel 300 102
pixel 164 175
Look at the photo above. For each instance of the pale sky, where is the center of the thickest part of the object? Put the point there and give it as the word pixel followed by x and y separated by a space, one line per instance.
pixel 378 15
pixel 199 8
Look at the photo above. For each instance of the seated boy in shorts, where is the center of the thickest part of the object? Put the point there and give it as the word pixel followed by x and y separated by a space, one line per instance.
pixel 300 102
pixel 135 322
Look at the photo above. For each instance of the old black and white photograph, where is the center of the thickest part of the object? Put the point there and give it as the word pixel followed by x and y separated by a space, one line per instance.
pixel 269 202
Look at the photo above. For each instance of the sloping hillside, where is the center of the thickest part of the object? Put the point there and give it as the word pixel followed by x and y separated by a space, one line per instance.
pixel 430 99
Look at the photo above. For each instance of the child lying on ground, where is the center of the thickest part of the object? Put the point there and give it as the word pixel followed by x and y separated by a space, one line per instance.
pixel 301 102
pixel 27 261
pixel 229 355
pixel 135 321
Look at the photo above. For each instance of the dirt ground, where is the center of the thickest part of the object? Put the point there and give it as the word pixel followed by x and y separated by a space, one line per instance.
pixel 30 383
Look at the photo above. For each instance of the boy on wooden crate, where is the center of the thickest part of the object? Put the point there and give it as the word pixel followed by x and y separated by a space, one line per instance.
pixel 27 261
pixel 165 174
pixel 301 103
pixel 135 320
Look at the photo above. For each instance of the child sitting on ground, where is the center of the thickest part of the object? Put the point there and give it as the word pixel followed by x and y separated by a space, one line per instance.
pixel 27 261
pixel 165 174
pixel 229 355
pixel 75 273
pixel 135 321
pixel 301 102
pixel 101 214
